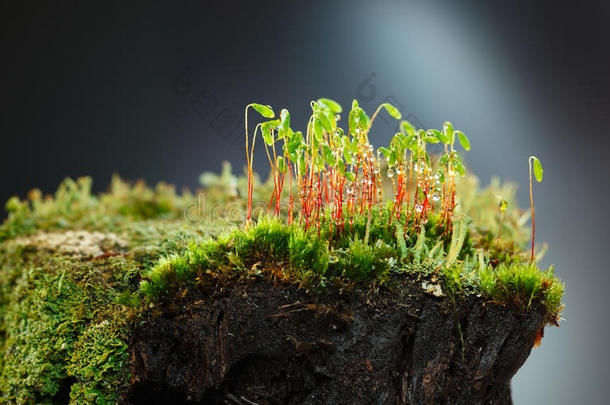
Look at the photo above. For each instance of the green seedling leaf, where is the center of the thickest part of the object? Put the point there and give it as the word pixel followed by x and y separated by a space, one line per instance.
pixel 386 152
pixel 397 143
pixel 463 140
pixel 318 163
pixel 264 110
pixel 326 124
pixel 354 116
pixel 459 167
pixel 281 165
pixel 442 136
pixel 403 140
pixel 393 111
pixel 350 176
pixel 331 105
pixel 318 129
pixel 411 142
pixel 448 130
pixel 432 136
pixel 364 118
pixel 407 128
pixel 267 135
pixel 348 154
pixel 327 154
pixel 285 120
pixel 538 172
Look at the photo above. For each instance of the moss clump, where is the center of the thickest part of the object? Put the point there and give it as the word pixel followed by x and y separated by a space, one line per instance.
pixel 287 252
pixel 52 306
pixel 522 283
pixel 67 309
pixel 69 296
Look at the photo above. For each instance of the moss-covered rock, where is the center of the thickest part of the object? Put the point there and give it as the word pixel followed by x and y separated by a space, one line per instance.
pixel 86 281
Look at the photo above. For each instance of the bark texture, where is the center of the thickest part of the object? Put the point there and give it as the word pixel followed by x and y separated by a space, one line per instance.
pixel 261 343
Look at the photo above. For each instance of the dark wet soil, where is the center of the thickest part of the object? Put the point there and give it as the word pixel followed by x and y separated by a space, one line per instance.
pixel 263 343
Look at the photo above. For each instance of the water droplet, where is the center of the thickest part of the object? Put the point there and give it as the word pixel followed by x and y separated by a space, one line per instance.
pixel 390 172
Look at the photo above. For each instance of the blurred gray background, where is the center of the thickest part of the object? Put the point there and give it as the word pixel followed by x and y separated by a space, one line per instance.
pixel 156 91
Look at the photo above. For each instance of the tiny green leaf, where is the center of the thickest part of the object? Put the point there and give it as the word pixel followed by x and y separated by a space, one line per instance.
pixel 459 167
pixel 393 111
pixel 463 140
pixel 331 105
pixel 285 120
pixel 280 164
pixel 448 130
pixel 442 136
pixel 327 154
pixel 353 120
pixel 411 142
pixel 317 129
pixel 364 118
pixel 348 155
pixel 326 124
pixel 267 136
pixel 386 152
pixel 538 172
pixel 407 128
pixel 264 110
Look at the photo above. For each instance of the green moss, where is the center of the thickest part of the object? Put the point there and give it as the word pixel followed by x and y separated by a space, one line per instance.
pixel 60 317
pixel 100 362
pixel 65 320
pixel 313 258
pixel 522 283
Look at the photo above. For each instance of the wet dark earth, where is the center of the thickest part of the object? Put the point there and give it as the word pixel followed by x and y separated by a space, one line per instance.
pixel 264 343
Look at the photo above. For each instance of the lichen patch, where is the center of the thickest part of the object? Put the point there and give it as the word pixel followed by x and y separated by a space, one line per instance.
pixel 80 243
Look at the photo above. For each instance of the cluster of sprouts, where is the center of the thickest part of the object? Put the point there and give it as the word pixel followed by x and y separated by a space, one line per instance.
pixel 338 173
pixel 330 174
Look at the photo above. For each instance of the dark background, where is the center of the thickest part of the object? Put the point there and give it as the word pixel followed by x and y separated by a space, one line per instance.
pixel 157 92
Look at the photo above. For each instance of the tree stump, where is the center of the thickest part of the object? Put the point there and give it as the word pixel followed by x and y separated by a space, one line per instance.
pixel 264 343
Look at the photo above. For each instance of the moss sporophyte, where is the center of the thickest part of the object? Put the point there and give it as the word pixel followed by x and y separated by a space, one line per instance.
pixel 78 270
